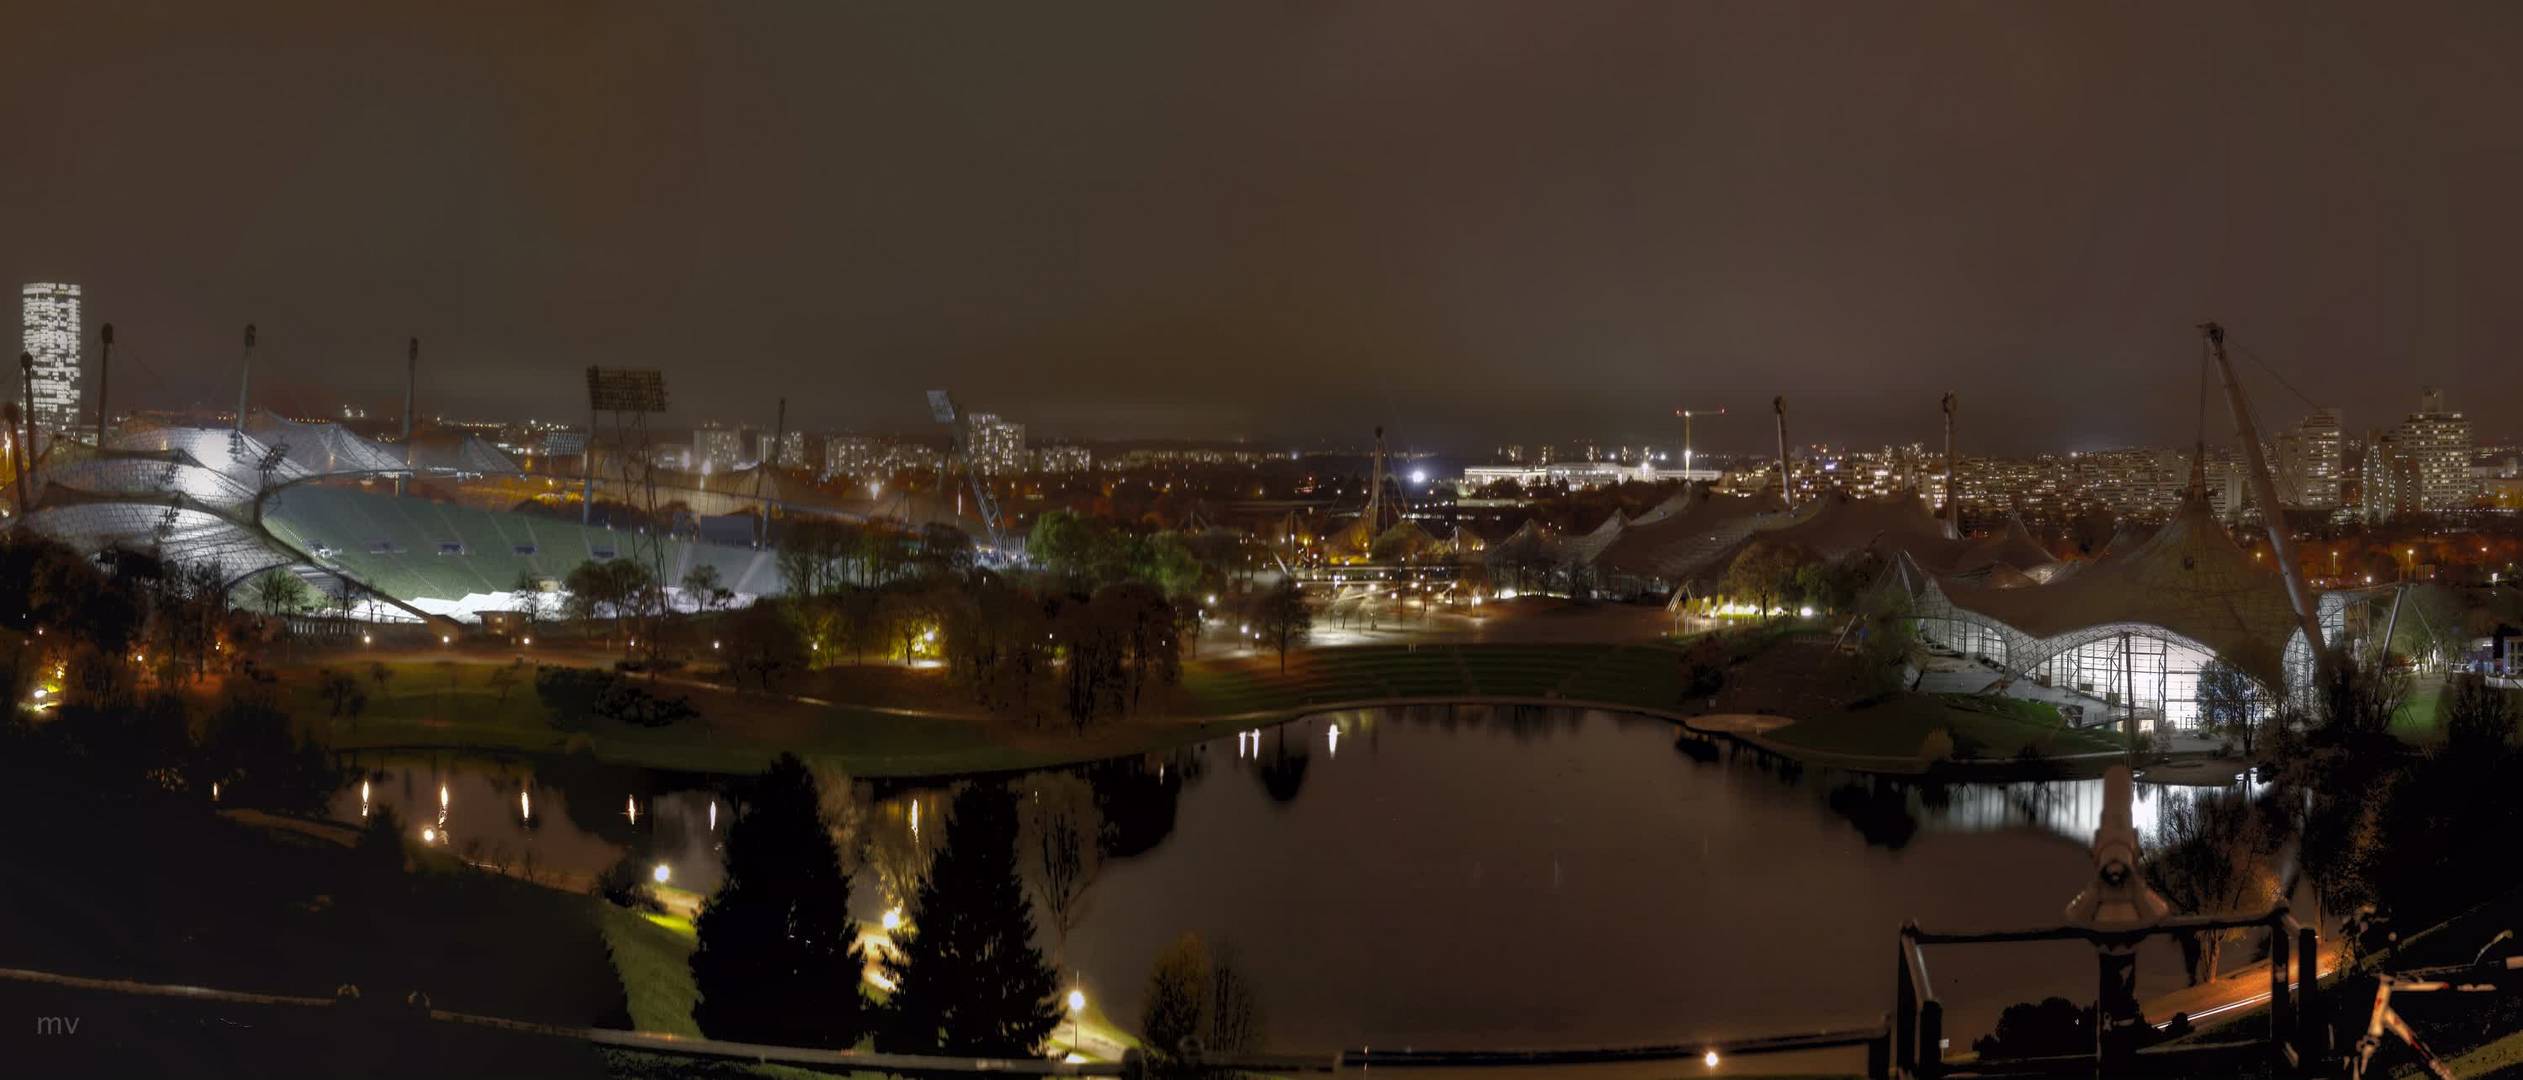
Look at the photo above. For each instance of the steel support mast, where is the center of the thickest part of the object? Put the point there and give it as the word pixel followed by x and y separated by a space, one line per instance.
pixel 2265 489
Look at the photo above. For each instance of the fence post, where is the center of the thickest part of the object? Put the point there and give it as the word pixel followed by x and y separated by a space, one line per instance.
pixel 1879 1053
pixel 1931 1039
pixel 1904 1011
pixel 2312 1029
pixel 2281 1024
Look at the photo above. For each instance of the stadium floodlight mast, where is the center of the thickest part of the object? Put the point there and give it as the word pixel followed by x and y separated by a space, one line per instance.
pixel 624 392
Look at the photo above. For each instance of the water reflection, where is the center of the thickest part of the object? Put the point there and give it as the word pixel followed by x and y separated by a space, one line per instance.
pixel 1668 886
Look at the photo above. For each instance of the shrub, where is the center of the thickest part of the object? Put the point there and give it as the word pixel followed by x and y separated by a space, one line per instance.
pixel 1937 746
pixel 626 882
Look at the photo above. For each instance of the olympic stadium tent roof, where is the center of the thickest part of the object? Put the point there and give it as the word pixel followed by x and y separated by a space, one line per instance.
pixel 1673 505
pixel 148 477
pixel 1530 542
pixel 1838 526
pixel 1686 534
pixel 2130 536
pixel 2189 579
pixel 324 449
pixel 446 450
pixel 1584 550
pixel 232 455
pixel 177 535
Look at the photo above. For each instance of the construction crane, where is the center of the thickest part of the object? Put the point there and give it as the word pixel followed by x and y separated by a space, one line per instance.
pixel 1686 415
pixel 959 448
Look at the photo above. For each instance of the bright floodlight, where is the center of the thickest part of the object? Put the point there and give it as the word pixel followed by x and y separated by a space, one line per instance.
pixel 1709 1059
pixel 1077 1001
pixel 1419 476
pixel 893 919
pixel 661 873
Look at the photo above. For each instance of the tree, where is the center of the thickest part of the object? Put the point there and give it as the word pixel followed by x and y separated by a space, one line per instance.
pixel 1198 1002
pixel 763 641
pixel 2208 857
pixel 341 691
pixel 2478 718
pixel 527 593
pixel 1281 617
pixel 968 979
pixel 250 751
pixel 1762 573
pixel 2358 702
pixel 2227 702
pixel 279 592
pixel 616 587
pixel 702 588
pixel 778 958
pixel 503 679
pixel 1061 829
pixel 1177 996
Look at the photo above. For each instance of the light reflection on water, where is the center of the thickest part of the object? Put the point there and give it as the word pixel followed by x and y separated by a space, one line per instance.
pixel 1466 877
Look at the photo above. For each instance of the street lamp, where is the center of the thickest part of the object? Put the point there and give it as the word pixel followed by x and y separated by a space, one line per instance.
pixel 1077 1005
pixel 660 874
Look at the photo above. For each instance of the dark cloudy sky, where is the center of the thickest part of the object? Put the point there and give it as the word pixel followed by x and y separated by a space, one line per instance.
pixel 1473 222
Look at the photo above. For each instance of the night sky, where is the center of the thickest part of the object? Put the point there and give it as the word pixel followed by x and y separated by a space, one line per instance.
pixel 1475 223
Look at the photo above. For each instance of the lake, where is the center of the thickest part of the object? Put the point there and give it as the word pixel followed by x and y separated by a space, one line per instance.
pixel 1441 877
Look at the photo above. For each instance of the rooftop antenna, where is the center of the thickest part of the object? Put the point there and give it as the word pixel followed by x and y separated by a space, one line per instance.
pixel 245 377
pixel 104 368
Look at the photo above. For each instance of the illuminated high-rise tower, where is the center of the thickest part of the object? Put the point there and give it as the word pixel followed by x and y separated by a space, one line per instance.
pixel 50 315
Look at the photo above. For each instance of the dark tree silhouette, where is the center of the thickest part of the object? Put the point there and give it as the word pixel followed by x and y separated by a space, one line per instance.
pixel 778 960
pixel 968 979
pixel 1281 617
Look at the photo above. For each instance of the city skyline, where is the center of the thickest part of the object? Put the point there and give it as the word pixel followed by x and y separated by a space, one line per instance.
pixel 1364 221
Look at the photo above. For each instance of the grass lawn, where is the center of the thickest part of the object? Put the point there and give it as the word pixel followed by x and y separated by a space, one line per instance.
pixel 479 703
pixel 1990 727
pixel 652 954
pixel 2417 720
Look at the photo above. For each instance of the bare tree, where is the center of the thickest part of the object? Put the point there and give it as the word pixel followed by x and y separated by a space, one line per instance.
pixel 1062 827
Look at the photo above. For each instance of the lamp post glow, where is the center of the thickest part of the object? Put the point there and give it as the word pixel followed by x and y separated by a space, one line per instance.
pixel 1077 1005
pixel 660 874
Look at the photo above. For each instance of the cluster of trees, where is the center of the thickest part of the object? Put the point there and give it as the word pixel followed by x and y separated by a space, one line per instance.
pixel 1782 577
pixel 1198 1003
pixel 1103 620
pixel 779 958
pixel 113 625
pixel 2405 838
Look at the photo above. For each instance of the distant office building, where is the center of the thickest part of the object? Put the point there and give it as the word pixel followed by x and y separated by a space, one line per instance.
pixel 2310 461
pixel 718 449
pixel 49 312
pixel 874 456
pixel 792 453
pixel 1064 459
pixel 997 446
pixel 564 443
pixel 850 455
pixel 2421 466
